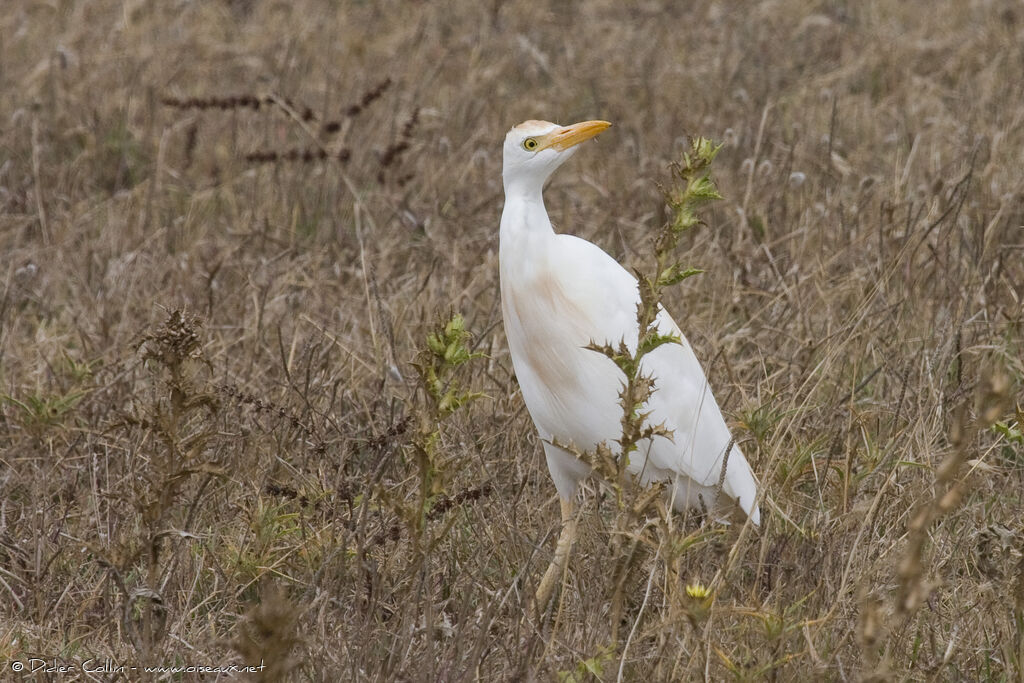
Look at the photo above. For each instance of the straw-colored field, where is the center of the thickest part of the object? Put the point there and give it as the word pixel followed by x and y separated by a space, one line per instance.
pixel 227 228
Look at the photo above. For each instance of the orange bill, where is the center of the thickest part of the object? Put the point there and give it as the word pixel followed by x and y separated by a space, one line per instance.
pixel 564 138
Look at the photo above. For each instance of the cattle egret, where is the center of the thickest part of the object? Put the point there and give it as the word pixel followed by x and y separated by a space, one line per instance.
pixel 559 293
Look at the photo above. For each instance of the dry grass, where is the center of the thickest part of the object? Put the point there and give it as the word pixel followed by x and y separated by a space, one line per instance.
pixel 266 476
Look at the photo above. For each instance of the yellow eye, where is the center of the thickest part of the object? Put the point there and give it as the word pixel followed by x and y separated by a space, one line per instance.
pixel 529 144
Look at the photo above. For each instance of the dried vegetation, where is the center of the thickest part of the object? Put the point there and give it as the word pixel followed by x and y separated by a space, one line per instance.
pixel 240 418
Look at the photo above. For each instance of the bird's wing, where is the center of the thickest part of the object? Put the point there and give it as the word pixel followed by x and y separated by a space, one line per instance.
pixel 684 401
pixel 606 292
pixel 607 297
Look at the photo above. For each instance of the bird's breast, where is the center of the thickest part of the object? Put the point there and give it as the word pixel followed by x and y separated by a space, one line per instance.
pixel 570 391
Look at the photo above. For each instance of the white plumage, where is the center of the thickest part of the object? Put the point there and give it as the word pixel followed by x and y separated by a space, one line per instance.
pixel 558 294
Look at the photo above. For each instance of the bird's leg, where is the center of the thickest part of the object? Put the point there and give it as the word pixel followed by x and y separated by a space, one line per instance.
pixel 560 561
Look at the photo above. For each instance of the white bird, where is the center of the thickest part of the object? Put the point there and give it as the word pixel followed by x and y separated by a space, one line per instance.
pixel 559 293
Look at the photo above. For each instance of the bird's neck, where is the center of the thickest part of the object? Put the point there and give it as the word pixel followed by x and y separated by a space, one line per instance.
pixel 524 218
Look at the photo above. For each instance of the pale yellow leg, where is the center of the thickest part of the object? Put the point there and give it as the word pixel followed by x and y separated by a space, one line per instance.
pixel 560 562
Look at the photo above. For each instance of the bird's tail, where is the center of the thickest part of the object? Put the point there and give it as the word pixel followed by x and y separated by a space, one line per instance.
pixel 740 485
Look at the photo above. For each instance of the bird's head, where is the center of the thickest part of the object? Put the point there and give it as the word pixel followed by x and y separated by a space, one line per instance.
pixel 534 149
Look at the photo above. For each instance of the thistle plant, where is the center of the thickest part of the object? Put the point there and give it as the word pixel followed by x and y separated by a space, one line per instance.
pixel 691 190
pixel 697 603
pixel 437 366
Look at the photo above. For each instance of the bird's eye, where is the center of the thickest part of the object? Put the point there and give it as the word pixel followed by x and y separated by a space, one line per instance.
pixel 529 144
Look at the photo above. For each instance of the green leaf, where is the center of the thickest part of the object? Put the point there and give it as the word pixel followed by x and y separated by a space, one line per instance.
pixel 1012 434
pixel 435 344
pixel 455 327
pixel 654 340
pixel 675 274
pixel 702 189
pixel 454 353
pixel 684 220
pixel 705 149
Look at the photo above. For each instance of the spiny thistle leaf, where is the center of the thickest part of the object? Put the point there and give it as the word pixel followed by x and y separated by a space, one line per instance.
pixel 675 274
pixel 702 152
pixel 702 189
pixel 654 340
